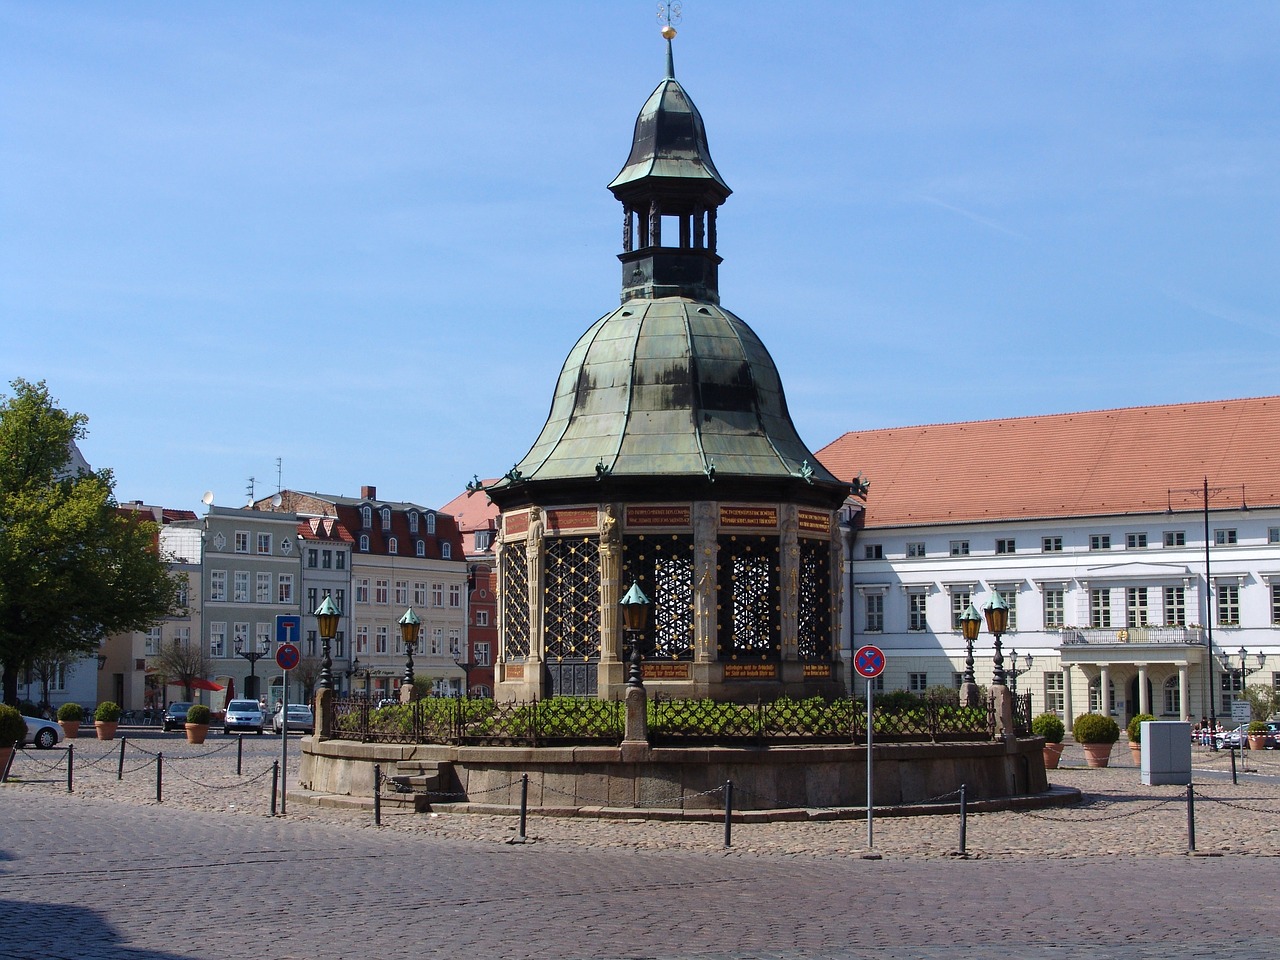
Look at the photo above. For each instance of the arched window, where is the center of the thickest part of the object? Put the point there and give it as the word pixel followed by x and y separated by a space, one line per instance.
pixel 393 545
pixel 364 542
pixel 1095 698
pixel 413 521
pixel 422 548
pixel 366 516
pixel 446 551
pixel 431 523
pixel 1172 697
pixel 386 518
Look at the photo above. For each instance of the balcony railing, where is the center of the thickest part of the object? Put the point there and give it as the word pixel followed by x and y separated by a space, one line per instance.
pixel 1184 635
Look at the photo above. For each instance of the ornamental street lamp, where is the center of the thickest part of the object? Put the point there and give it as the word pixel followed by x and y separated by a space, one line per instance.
pixel 1245 669
pixel 970 623
pixel 1014 672
pixel 997 614
pixel 327 616
pixel 635 616
pixel 466 666
pixel 361 674
pixel 409 625
pixel 253 656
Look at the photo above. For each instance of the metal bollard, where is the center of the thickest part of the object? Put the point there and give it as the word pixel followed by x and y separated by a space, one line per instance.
pixel 524 804
pixel 377 794
pixel 8 764
pixel 964 818
pixel 160 777
pixel 239 753
pixel 1233 765
pixel 71 755
pixel 275 783
pixel 1191 819
pixel 120 762
pixel 728 813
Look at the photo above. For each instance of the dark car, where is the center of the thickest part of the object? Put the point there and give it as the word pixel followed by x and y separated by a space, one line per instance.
pixel 175 716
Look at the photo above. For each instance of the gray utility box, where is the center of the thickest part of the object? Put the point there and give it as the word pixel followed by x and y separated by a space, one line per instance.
pixel 1166 751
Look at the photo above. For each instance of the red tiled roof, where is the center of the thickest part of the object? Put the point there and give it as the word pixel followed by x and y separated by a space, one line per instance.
pixel 1096 463
pixel 324 528
pixel 473 511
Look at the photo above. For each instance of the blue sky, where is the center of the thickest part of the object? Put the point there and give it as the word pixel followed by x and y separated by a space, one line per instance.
pixel 363 237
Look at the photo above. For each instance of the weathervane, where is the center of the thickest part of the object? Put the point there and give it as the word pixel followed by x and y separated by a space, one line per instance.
pixel 669 17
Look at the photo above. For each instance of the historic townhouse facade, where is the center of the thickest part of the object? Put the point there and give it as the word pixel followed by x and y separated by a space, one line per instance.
pixel 326 547
pixel 1092 527
pixel 477 519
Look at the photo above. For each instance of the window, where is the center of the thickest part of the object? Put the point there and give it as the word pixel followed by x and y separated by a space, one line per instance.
pixel 381 591
pixel 916 619
pixel 437 641
pixel 1005 546
pixel 326 559
pixel 420 547
pixel 419 594
pixel 483 539
pixel 1051 544
pixel 446 551
pixel 362 640
pixel 240 590
pixel 1055 692
pixel 1224 538
pixel 1175 538
pixel 482 653
pixel 362 590
pixel 455 642
pixel 284 593
pixel 1175 606
pixel 1009 593
pixel 1273 534
pixel 340 600
pixel 381 640
pixel 312 557
pixel 1135 606
pixel 339 645
pixel 917 682
pixel 873 551
pixel 1100 541
pixel 366 516
pixel 1135 541
pixel 364 543
pixel 1228 683
pixel 240 636
pixel 437 594
pixel 217 585
pixel 915 549
pixel 242 541
pixel 1275 603
pixel 1095 695
pixel 960 600
pixel 311 643
pixel 264 543
pixel 184 592
pixel 402 592
pixel 482 618
pixel 313 599
pixel 413 521
pixel 431 523
pixel 262 636
pixel 1172 698
pixel 386 518
pixel 340 559
pixel 1054 607
pixel 262 593
pixel 959 548
pixel 153 642
pixel 217 639
pixel 877 684
pixel 455 594
pixel 875 613
pixel 1100 609
pixel 1228 604
pixel 393 545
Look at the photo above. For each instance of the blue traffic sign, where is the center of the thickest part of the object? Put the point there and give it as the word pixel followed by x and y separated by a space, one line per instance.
pixel 288 628
pixel 869 661
pixel 287 657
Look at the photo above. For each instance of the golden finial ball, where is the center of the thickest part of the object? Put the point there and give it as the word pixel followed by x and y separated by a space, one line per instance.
pixel 668 32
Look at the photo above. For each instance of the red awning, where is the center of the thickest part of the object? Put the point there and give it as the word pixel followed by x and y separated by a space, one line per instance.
pixel 197 684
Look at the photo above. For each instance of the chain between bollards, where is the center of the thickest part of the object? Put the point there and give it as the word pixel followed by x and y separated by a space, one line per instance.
pixel 728 813
pixel 524 804
pixel 377 794
pixel 964 817
pixel 1191 819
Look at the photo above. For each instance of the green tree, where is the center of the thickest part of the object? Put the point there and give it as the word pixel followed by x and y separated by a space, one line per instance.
pixel 1264 700
pixel 73 568
pixel 180 661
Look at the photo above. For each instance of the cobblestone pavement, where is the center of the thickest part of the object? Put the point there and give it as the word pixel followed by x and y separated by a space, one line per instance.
pixel 108 872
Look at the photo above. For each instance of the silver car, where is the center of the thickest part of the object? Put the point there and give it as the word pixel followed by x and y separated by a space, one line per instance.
pixel 243 715
pixel 301 719
pixel 43 733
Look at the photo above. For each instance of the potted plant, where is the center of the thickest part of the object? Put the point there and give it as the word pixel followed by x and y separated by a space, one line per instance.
pixel 105 719
pixel 1257 734
pixel 69 717
pixel 1135 736
pixel 1096 734
pixel 12 729
pixel 197 723
pixel 1051 727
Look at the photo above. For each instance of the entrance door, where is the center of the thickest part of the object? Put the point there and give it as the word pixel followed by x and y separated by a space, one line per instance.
pixel 1133 707
pixel 573 678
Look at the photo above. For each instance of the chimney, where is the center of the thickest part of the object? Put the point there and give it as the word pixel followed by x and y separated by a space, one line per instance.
pixel 368 493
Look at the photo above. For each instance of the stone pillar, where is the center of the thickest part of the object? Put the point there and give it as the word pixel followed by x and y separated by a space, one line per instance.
pixel 1004 711
pixel 1068 675
pixel 610 588
pixel 1144 701
pixel 1184 691
pixel 637 728
pixel 705 553
pixel 789 562
pixel 537 562
pixel 324 714
pixel 1104 690
pixel 406 693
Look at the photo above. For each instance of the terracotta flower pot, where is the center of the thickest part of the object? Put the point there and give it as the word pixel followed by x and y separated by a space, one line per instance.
pixel 1052 755
pixel 1096 754
pixel 196 732
pixel 70 727
pixel 1257 741
pixel 106 729
pixel 1135 749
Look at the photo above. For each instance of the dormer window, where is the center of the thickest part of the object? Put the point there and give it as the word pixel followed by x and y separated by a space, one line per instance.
pixel 422 548
pixel 446 551
pixel 413 521
pixel 364 543
pixel 431 523
pixel 386 518
pixel 393 545
pixel 366 516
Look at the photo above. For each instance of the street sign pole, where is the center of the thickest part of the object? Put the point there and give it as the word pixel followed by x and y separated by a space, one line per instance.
pixel 870 766
pixel 869 663
pixel 287 657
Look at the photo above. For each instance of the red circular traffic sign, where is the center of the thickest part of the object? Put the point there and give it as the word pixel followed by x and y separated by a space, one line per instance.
pixel 869 661
pixel 287 657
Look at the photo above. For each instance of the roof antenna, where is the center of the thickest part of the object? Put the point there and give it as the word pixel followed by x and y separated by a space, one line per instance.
pixel 670 14
pixel 249 491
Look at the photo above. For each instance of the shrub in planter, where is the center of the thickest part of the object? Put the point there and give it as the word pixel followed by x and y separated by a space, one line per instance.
pixel 1255 727
pixel 1095 728
pixel 1049 726
pixel 107 712
pixel 199 715
pixel 1135 726
pixel 71 712
pixel 12 726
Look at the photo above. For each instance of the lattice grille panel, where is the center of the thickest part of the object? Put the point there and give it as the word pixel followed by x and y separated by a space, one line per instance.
pixel 571 617
pixel 749 616
pixel 515 601
pixel 663 566
pixel 813 601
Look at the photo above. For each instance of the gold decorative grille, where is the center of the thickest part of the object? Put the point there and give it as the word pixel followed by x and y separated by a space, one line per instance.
pixel 515 601
pixel 663 566
pixel 748 612
pixel 572 599
pixel 813 601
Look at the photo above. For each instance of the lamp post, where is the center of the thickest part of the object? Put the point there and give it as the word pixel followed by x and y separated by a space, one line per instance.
pixel 635 616
pixel 327 616
pixel 466 666
pixel 1245 669
pixel 970 623
pixel 1013 671
pixel 253 656
pixel 409 625
pixel 997 614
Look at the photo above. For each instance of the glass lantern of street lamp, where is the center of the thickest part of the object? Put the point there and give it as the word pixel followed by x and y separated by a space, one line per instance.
pixel 327 616
pixel 970 624
pixel 997 614
pixel 409 624
pixel 635 616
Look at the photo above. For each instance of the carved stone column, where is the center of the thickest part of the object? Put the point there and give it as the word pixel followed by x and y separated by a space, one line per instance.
pixel 789 561
pixel 610 588
pixel 537 563
pixel 705 556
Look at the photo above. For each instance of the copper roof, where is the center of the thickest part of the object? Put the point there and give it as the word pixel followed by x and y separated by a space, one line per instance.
pixel 1095 463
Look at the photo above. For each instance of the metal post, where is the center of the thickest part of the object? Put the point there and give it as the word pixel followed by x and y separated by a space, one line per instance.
pixel 1208 623
pixel 159 778
pixel 8 764
pixel 284 739
pixel 524 804
pixel 120 764
pixel 275 783
pixel 1232 748
pixel 728 813
pixel 377 794
pixel 1191 819
pixel 239 753
pixel 71 756
pixel 964 818
pixel 870 794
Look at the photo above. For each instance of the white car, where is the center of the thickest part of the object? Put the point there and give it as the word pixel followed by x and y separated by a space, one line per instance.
pixel 301 719
pixel 43 733
pixel 243 715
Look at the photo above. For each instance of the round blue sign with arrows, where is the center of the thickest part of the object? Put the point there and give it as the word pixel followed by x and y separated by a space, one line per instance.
pixel 869 661
pixel 287 656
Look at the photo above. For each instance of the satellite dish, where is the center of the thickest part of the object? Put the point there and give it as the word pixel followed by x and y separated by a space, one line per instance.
pixel 276 501
pixel 207 499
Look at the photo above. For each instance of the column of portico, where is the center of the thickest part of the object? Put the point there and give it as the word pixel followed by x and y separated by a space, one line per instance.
pixel 1104 689
pixel 1144 701
pixel 1184 691
pixel 1067 679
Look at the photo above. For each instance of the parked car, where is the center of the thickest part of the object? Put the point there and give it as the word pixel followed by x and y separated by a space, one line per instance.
pixel 1240 735
pixel 43 733
pixel 301 719
pixel 243 715
pixel 175 716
